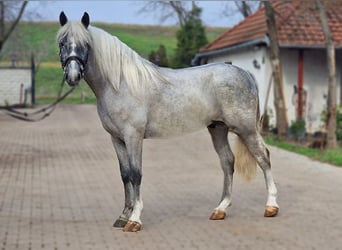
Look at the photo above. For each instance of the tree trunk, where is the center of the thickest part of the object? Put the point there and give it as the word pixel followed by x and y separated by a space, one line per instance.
pixel 279 98
pixel 330 47
pixel 4 35
pixel 2 22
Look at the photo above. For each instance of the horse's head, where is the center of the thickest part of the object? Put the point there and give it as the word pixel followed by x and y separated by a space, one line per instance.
pixel 73 41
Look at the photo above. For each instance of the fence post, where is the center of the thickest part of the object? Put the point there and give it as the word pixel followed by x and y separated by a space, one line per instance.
pixel 33 81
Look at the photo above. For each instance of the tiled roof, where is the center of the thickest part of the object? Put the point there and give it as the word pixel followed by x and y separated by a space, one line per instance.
pixel 298 24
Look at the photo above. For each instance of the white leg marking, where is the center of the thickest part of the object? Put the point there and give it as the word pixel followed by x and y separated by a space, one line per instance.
pixel 224 204
pixel 138 207
pixel 272 190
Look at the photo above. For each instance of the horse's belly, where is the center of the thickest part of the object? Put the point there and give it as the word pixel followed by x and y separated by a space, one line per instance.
pixel 173 124
pixel 172 129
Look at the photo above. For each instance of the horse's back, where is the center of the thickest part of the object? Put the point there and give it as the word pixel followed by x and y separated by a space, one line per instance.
pixel 216 75
pixel 229 85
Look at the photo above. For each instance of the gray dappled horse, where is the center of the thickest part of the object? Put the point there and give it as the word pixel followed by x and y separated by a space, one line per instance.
pixel 138 100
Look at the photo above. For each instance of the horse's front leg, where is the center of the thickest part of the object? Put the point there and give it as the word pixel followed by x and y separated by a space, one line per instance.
pixel 134 142
pixel 121 152
pixel 219 136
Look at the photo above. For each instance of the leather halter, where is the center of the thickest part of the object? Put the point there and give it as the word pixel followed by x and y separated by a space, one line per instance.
pixel 79 60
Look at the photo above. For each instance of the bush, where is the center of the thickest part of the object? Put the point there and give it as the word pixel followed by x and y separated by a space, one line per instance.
pixel 339 124
pixel 190 38
pixel 297 129
pixel 338 121
pixel 159 57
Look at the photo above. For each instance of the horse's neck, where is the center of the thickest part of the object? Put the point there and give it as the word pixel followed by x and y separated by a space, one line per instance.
pixel 97 84
pixel 95 81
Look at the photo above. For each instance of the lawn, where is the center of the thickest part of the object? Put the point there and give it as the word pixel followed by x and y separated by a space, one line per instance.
pixel 333 156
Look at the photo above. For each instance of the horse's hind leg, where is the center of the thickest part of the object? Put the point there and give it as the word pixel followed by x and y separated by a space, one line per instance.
pixel 256 146
pixel 219 136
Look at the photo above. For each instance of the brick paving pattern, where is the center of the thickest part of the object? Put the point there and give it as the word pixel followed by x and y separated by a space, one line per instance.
pixel 60 188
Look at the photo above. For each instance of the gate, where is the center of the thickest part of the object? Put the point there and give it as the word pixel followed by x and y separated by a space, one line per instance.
pixel 17 85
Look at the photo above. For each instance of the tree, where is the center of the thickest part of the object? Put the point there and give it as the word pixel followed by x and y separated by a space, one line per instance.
pixel 190 38
pixel 159 57
pixel 168 9
pixel 279 98
pixel 9 18
pixel 245 8
pixel 331 64
pixel 181 9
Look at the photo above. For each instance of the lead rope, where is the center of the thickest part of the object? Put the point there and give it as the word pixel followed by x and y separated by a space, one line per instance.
pixel 47 110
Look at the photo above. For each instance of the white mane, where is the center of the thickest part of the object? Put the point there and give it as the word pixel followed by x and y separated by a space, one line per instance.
pixel 115 60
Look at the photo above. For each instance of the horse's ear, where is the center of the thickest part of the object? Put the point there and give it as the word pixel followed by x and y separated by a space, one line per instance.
pixel 85 20
pixel 63 19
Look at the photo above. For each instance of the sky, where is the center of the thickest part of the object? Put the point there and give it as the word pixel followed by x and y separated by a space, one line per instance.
pixel 126 12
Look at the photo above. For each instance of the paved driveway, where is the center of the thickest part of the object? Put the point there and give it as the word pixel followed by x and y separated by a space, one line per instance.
pixel 60 188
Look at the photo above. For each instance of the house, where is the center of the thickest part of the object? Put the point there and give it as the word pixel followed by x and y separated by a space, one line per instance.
pixel 302 55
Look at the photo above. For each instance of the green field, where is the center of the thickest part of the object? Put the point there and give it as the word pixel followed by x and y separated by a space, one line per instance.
pixel 39 38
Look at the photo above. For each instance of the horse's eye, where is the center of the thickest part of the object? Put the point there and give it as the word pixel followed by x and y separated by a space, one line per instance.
pixel 61 44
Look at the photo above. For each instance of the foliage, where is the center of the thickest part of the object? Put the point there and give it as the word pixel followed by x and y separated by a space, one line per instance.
pixel 159 57
pixel 332 156
pixel 339 124
pixel 338 121
pixel 190 38
pixel 297 129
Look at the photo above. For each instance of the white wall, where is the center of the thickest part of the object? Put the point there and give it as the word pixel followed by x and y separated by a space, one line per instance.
pixel 315 81
pixel 10 81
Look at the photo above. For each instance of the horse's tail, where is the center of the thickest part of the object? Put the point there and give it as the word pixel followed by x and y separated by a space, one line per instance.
pixel 245 163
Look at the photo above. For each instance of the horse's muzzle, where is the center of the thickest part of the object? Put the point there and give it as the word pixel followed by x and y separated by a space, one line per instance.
pixel 73 73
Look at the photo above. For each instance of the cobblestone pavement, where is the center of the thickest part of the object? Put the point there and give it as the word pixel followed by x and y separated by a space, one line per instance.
pixel 60 188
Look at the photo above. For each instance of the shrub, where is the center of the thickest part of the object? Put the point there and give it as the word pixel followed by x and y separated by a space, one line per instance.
pixel 339 124
pixel 297 129
pixel 338 121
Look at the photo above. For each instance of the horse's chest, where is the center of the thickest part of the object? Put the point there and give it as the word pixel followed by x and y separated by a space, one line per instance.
pixel 117 118
pixel 108 124
pixel 108 120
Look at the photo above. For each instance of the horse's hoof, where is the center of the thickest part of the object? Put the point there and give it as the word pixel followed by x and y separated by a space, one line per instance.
pixel 218 215
pixel 121 222
pixel 271 211
pixel 132 226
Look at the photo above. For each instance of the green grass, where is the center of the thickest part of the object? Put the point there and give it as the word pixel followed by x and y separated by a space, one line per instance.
pixel 329 156
pixel 39 38
pixel 48 82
